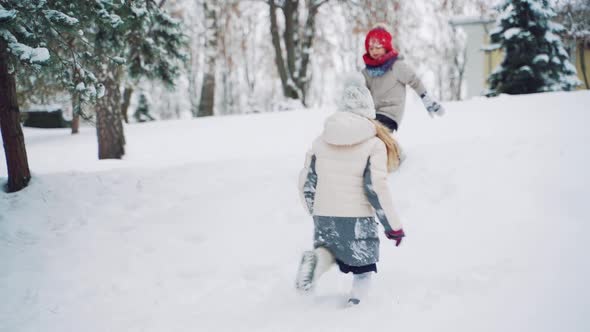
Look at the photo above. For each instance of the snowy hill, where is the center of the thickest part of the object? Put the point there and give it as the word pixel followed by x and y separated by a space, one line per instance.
pixel 200 228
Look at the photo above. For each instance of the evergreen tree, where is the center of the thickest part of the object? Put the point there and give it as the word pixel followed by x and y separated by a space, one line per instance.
pixel 31 30
pixel 535 59
pixel 141 35
pixel 83 46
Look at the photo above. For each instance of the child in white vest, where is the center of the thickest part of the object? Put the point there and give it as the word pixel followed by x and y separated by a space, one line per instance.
pixel 343 186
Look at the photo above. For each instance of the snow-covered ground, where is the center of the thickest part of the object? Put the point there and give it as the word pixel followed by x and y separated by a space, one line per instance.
pixel 200 227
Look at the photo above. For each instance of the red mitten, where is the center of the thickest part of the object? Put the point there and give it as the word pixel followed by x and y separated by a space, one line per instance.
pixel 396 236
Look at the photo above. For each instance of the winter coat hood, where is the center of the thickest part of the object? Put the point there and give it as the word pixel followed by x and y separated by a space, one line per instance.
pixel 346 128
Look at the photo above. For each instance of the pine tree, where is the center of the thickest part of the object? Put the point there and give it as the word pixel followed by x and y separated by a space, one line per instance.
pixel 156 49
pixel 535 59
pixel 134 38
pixel 29 32
pixel 83 47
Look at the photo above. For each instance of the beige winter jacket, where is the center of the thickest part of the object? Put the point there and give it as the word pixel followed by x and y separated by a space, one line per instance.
pixel 341 155
pixel 389 90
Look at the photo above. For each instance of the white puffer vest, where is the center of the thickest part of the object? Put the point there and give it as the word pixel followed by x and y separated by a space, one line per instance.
pixel 341 155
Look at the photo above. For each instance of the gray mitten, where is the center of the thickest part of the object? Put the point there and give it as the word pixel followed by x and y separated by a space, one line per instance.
pixel 432 106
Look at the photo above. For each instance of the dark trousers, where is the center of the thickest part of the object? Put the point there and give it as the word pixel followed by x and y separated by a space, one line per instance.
pixel 387 122
pixel 345 268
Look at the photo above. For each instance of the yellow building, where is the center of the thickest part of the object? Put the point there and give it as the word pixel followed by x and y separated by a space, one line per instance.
pixel 493 59
pixel 477 63
pixel 581 58
pixel 481 61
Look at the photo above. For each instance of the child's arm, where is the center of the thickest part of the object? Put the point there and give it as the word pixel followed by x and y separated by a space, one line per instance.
pixel 377 190
pixel 408 76
pixel 432 106
pixel 308 179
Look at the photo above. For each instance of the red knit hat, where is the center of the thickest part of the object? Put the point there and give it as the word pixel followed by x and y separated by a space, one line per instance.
pixel 382 36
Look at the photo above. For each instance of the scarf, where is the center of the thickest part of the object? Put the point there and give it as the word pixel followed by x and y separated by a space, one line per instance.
pixel 378 67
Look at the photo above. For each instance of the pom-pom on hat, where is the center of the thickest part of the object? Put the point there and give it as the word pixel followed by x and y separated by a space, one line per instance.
pixel 355 97
pixel 379 33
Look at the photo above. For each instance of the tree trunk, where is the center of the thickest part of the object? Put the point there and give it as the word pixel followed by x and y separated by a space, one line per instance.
pixel 126 101
pixel 76 108
pixel 207 102
pixel 75 124
pixel 207 96
pixel 461 67
pixel 109 126
pixel 303 79
pixel 286 81
pixel 582 47
pixel 291 36
pixel 192 84
pixel 293 70
pixel 12 134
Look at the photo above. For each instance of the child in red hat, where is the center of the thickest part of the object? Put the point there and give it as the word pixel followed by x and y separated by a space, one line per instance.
pixel 387 75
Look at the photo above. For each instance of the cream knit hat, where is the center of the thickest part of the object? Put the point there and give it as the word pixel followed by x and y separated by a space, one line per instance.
pixel 355 97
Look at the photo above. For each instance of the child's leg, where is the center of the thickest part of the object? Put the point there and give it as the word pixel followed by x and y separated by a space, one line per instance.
pixel 313 265
pixel 305 273
pixel 325 259
pixel 360 287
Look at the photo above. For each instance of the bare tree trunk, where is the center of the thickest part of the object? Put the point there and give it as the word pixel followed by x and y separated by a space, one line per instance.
pixel 291 36
pixel 76 102
pixel 249 60
pixel 192 84
pixel 303 80
pixel 293 69
pixel 286 82
pixel 207 103
pixel 583 63
pixel 126 101
pixel 76 109
pixel 75 124
pixel 109 127
pixel 224 39
pixel 461 71
pixel 12 134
